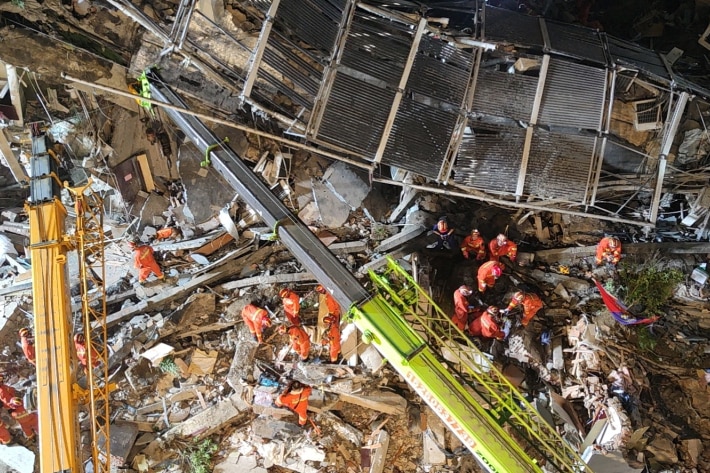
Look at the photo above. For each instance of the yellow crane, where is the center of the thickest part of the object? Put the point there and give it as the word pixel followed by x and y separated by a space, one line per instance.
pixel 59 392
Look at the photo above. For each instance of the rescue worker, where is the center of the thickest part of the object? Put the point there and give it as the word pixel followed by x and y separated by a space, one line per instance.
pixel 5 436
pixel 292 305
pixel 488 324
pixel 6 392
pixel 28 346
pixel 27 420
pixel 461 307
pixel 295 398
pixel 608 250
pixel 531 305
pixel 300 341
pixel 488 273
pixel 167 233
pixel 501 246
pixel 445 235
pixel 257 319
pixel 332 335
pixel 82 353
pixel 474 245
pixel 145 262
pixel 331 303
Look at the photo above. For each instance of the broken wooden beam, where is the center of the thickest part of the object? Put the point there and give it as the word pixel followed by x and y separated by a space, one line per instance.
pixel 557 255
pixel 268 280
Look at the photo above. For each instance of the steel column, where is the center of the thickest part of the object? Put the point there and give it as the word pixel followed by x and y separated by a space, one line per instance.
pixel 258 52
pixel 400 91
pixel 531 126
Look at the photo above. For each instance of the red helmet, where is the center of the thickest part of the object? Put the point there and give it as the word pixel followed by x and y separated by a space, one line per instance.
pixel 320 288
pixel 519 296
pixel 25 332
pixel 284 292
pixel 465 290
pixel 497 271
pixel 16 402
pixel 79 338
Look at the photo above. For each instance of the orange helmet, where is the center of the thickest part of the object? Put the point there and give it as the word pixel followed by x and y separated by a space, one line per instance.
pixel 79 338
pixel 284 292
pixel 16 402
pixel 25 332
pixel 320 288
pixel 281 329
pixel 493 310
pixel 519 296
pixel 465 290
pixel 497 271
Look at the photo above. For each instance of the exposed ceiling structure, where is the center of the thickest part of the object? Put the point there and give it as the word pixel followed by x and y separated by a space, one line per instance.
pixel 508 108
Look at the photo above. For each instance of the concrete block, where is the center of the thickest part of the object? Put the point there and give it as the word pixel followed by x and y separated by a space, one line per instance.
pixel 16 458
pixel 434 437
pixel 347 185
pixel 123 436
pixel 238 463
pixel 333 211
pixel 370 357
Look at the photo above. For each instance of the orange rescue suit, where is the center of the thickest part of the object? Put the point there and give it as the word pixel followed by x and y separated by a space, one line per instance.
pixel 5 436
pixel 460 318
pixel 27 420
pixel 292 308
pixel 606 253
pixel 332 337
pixel 146 264
pixel 81 354
pixel 297 401
pixel 485 326
pixel 6 394
pixel 28 349
pixel 165 233
pixel 300 342
pixel 508 249
pixel 474 246
pixel 531 305
pixel 332 304
pixel 486 276
pixel 257 319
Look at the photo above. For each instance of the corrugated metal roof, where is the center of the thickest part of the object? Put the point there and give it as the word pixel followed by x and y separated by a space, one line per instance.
pixel 511 27
pixel 573 96
pixel 576 41
pixel 504 95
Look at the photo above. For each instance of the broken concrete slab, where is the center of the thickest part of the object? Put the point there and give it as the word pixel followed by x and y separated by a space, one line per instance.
pixel 434 439
pixel 377 455
pixel 408 233
pixel 208 421
pixel 333 212
pixel 331 422
pixel 370 357
pixel 156 354
pixel 241 369
pixel 16 459
pixel 570 283
pixel 268 428
pixel 346 184
pixel 238 463
pixel 123 436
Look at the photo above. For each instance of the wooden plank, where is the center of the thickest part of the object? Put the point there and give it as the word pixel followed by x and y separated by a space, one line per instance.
pixel 145 171
pixel 576 253
pixel 17 170
pixel 270 279
pixel 396 405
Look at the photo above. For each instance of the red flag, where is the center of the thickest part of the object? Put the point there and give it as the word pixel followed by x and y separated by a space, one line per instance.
pixel 619 311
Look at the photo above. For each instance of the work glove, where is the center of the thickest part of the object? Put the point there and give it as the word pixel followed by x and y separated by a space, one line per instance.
pixel 506 328
pixel 546 337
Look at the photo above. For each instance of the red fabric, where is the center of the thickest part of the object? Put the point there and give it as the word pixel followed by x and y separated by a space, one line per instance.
pixel 300 342
pixel 256 319
pixel 531 305
pixel 508 249
pixel 332 304
pixel 292 308
pixel 297 401
pixel 27 420
pixel 28 349
pixel 332 337
pixel 619 311
pixel 474 246
pixel 485 326
pixel 605 253
pixel 81 353
pixel 5 436
pixel 460 318
pixel 165 233
pixel 145 263
pixel 6 394
pixel 485 275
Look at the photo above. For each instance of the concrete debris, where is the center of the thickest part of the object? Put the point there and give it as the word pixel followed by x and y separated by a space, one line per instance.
pixel 16 458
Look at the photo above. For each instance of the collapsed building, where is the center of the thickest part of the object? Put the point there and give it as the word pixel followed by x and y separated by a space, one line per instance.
pixel 492 106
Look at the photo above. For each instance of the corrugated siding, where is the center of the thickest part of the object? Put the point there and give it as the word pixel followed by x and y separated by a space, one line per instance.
pixel 573 96
pixel 646 60
pixel 512 27
pixel 355 114
pixel 489 160
pixel 436 60
pixel 420 137
pixel 576 41
pixel 504 95
pixel 558 165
